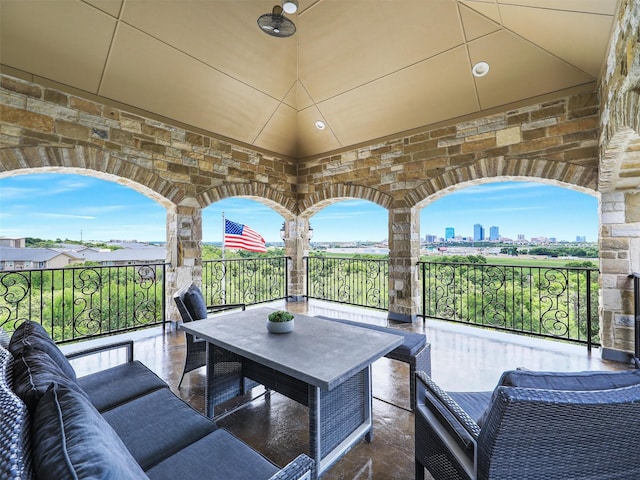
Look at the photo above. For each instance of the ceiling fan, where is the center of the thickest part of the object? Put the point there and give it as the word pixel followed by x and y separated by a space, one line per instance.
pixel 275 23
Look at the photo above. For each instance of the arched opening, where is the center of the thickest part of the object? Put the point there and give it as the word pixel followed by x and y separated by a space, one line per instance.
pixel 516 256
pixel 77 205
pixel 351 223
pixel 521 211
pixel 93 259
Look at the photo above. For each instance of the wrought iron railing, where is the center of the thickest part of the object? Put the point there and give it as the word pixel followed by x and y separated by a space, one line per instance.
pixel 244 280
pixel 82 302
pixel 554 302
pixel 355 281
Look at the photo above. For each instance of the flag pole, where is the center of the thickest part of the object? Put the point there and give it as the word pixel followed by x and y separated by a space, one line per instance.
pixel 223 232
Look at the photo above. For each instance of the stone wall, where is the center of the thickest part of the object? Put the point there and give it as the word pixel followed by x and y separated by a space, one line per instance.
pixel 619 182
pixel 48 130
pixel 41 127
pixel 555 140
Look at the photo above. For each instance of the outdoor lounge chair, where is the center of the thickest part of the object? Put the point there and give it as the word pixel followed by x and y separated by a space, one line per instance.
pixel 534 425
pixel 192 307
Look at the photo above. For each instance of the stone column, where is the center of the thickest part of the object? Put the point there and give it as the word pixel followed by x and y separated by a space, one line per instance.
pixel 296 247
pixel 184 251
pixel 619 245
pixel 404 252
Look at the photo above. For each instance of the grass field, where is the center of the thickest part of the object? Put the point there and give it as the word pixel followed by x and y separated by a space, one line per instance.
pixel 521 261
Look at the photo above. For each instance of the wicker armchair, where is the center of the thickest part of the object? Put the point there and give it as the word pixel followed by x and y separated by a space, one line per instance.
pixel 535 425
pixel 192 307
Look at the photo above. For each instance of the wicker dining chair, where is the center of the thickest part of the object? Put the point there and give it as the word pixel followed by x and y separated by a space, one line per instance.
pixel 192 307
pixel 533 426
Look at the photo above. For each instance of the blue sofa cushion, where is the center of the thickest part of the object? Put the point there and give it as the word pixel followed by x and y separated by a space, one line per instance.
pixel 15 427
pixel 411 344
pixel 71 440
pixel 563 381
pixel 143 423
pixel 233 460
pixel 473 403
pixel 569 381
pixel 33 372
pixel 194 301
pixel 106 389
pixel 30 335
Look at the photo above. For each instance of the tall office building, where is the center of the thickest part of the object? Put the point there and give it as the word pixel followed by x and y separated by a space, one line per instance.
pixel 430 238
pixel 449 233
pixel 478 233
pixel 494 234
pixel 581 238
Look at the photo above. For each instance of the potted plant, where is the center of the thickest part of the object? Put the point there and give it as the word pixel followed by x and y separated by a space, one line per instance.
pixel 280 322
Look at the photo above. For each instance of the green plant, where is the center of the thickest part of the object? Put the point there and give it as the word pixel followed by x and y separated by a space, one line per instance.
pixel 280 316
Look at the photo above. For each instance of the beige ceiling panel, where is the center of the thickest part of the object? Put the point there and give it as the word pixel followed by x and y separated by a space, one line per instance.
pixel 112 7
pixel 279 134
pixel 312 141
pixel 225 35
pixel 64 41
pixel 476 25
pixel 580 39
pixel 605 7
pixel 487 8
pixel 426 93
pixel 291 98
pixel 150 75
pixel 519 70
pixel 343 45
pixel 303 99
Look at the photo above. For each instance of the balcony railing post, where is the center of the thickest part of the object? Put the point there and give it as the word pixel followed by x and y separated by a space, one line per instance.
pixel 589 322
pixel 636 316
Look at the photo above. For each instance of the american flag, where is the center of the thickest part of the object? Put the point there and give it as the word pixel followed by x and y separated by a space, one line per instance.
pixel 240 236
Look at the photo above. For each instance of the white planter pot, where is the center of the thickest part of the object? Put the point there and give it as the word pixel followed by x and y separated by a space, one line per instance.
pixel 280 327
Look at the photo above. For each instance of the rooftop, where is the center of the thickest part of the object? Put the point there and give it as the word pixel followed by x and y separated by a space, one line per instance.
pixel 463 358
pixel 407 64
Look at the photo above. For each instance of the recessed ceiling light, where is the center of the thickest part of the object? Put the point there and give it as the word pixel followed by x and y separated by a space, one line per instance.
pixel 320 125
pixel 290 6
pixel 480 69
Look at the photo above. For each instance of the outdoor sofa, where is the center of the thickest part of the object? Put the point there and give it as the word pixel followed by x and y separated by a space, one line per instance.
pixel 533 426
pixel 120 423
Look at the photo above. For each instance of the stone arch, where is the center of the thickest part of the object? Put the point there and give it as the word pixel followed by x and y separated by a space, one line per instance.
pixel 313 203
pixel 572 176
pixel 89 161
pixel 259 192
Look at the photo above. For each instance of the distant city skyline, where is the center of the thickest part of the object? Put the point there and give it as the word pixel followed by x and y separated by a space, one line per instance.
pixel 62 206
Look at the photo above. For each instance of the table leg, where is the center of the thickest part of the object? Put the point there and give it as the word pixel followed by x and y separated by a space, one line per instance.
pixel 339 418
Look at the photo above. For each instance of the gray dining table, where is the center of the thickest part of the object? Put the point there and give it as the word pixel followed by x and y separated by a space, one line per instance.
pixel 322 364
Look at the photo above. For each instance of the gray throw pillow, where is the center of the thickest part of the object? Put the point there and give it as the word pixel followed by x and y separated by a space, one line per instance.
pixel 72 440
pixel 194 301
pixel 31 335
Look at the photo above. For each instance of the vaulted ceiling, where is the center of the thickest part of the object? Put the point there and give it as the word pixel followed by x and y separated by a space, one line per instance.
pixel 367 68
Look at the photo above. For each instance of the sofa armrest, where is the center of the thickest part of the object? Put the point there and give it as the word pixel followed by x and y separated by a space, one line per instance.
pixel 300 468
pixel 456 430
pixel 442 398
pixel 126 344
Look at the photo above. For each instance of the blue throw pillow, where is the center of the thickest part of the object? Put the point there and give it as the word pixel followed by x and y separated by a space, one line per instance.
pixel 71 440
pixel 32 335
pixel 194 301
pixel 33 372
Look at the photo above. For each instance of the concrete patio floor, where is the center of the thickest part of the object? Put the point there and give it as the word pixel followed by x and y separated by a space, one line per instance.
pixel 463 358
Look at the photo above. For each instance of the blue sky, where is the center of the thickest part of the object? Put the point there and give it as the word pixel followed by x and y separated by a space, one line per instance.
pixel 62 206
